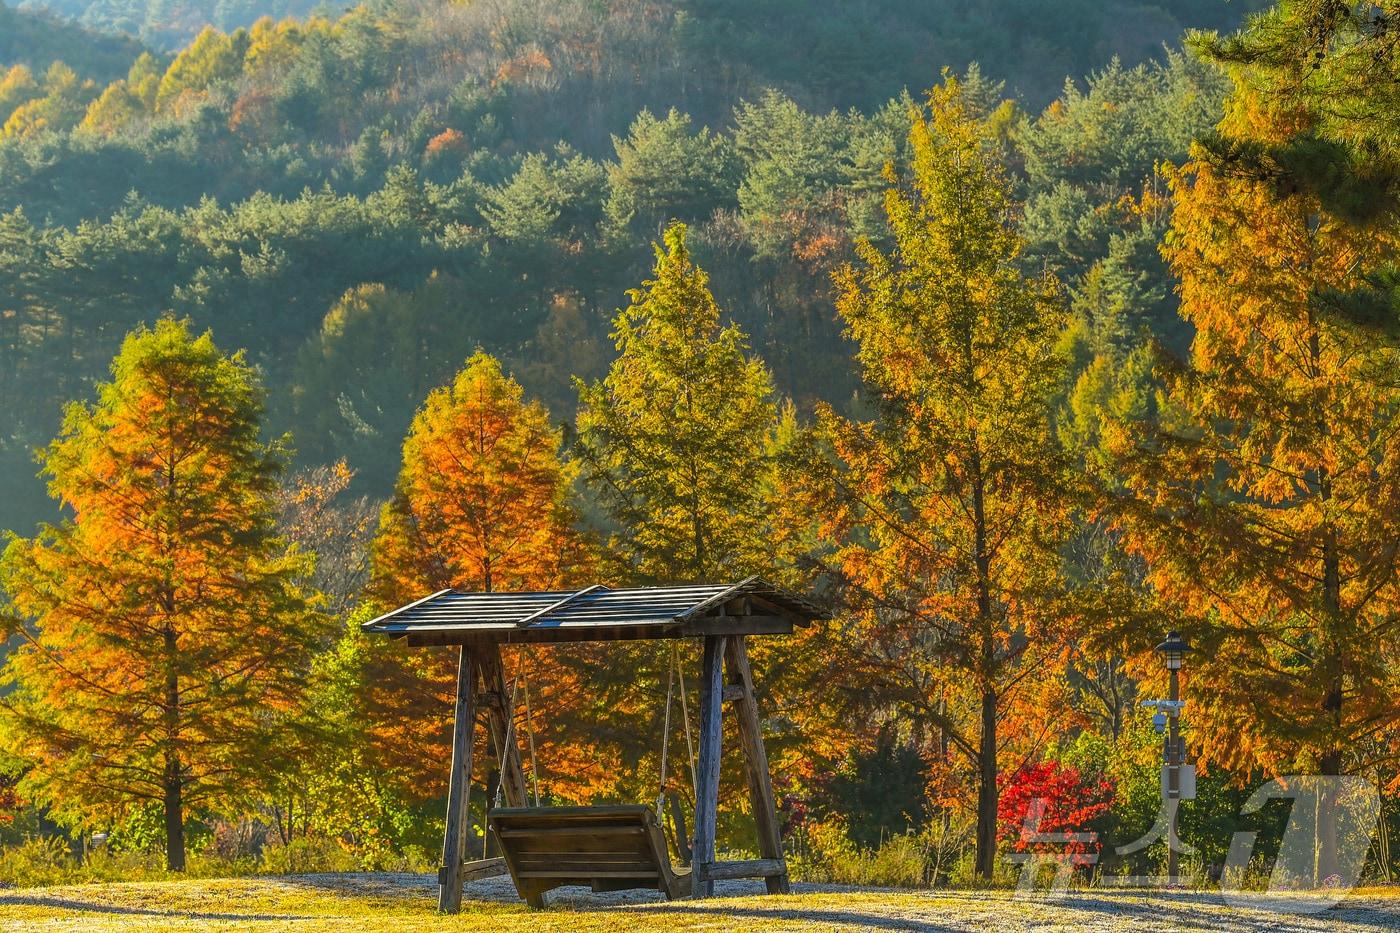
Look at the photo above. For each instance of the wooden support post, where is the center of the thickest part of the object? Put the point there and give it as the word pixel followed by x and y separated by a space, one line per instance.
pixel 707 793
pixel 500 712
pixel 760 779
pixel 454 838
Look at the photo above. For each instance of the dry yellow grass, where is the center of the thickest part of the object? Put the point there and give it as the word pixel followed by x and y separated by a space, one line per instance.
pixel 405 904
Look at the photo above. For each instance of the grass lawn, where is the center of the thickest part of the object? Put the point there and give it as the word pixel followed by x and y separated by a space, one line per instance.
pixel 406 904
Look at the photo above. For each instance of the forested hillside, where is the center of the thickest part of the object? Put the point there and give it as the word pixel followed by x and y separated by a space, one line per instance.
pixel 361 202
pixel 170 24
pixel 853 52
pixel 36 39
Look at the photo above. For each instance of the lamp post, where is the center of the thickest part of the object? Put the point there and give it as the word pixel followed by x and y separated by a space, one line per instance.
pixel 1173 652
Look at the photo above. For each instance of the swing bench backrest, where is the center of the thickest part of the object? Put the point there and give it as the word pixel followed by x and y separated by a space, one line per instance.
pixel 610 848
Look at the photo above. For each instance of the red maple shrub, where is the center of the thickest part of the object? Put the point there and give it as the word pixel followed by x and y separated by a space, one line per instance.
pixel 1069 802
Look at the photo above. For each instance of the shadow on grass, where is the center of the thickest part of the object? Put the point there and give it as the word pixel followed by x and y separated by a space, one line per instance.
pixel 809 916
pixel 1208 909
pixel 406 884
pixel 68 903
pixel 1179 910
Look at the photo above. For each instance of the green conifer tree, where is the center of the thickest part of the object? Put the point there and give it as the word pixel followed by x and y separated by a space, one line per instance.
pixel 675 439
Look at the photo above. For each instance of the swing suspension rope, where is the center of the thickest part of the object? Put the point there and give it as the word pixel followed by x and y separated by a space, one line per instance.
pixel 508 743
pixel 685 716
pixel 520 683
pixel 530 737
pixel 676 674
pixel 665 742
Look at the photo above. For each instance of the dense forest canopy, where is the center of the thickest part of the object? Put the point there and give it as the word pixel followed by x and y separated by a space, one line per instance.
pixel 172 24
pixel 362 201
pixel 36 39
pixel 854 53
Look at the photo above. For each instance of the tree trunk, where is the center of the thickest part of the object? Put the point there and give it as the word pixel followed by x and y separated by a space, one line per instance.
pixel 174 815
pixel 173 778
pixel 987 753
pixel 1330 763
pixel 946 817
pixel 987 789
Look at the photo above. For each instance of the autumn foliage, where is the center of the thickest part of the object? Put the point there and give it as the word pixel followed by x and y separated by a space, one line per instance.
pixel 939 519
pixel 482 504
pixel 9 798
pixel 675 439
pixel 1266 506
pixel 1050 797
pixel 165 633
pixel 1081 398
pixel 482 499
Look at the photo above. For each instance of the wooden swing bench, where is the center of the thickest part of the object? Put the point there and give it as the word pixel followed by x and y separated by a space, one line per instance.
pixel 607 848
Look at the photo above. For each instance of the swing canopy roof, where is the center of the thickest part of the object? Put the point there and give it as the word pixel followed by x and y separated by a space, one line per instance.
pixel 597 613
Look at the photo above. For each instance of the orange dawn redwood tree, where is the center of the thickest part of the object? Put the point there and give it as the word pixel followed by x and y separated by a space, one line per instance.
pixel 482 503
pixel 944 514
pixel 165 635
pixel 1268 503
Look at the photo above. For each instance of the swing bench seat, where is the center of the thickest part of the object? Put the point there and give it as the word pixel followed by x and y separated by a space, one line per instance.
pixel 607 848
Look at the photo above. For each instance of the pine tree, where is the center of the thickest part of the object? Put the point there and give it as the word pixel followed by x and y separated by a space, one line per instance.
pixel 664 170
pixel 164 632
pixel 1334 61
pixel 676 443
pixel 945 512
pixel 1331 67
pixel 675 439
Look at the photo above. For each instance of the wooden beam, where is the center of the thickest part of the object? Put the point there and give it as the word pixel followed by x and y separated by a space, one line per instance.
pixel 557 605
pixel 738 606
pixel 752 868
pixel 760 780
pixel 707 793
pixel 454 837
pixel 758 624
pixel 484 868
pixel 740 625
pixel 544 635
pixel 722 596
